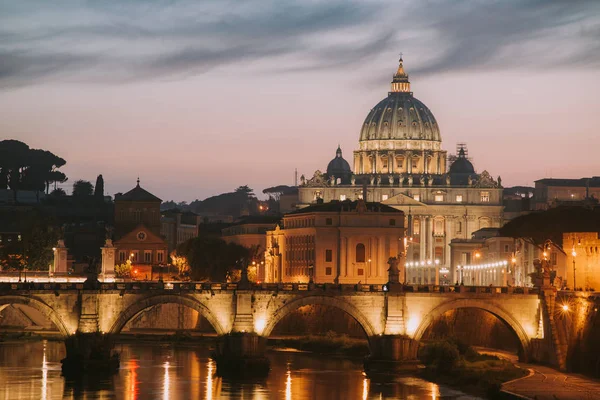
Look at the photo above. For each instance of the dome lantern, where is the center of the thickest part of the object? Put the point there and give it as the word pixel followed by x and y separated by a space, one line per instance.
pixel 400 83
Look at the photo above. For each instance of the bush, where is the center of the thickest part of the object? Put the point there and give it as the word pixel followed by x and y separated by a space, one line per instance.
pixel 439 356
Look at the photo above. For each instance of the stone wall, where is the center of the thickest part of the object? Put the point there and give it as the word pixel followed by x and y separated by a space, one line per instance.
pixel 316 320
pixel 474 327
pixel 579 328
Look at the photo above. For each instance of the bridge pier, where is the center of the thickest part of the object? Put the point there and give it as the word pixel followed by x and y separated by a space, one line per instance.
pixel 391 354
pixel 241 354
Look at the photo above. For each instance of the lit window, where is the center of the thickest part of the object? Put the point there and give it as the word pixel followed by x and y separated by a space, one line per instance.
pixel 439 197
pixel 384 197
pixel 342 197
pixel 417 197
pixel 459 198
pixel 485 197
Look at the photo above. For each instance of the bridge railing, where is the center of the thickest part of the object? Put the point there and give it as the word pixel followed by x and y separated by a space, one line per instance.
pixel 270 287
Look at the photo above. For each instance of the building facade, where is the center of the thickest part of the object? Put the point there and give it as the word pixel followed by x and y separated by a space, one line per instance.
pixel 177 227
pixel 336 242
pixel 400 162
pixel 250 231
pixel 551 192
pixel 137 230
pixel 582 251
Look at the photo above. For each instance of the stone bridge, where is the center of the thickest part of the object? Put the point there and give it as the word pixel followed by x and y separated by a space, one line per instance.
pixel 394 317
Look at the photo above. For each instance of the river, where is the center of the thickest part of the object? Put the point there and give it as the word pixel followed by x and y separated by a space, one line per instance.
pixel 31 370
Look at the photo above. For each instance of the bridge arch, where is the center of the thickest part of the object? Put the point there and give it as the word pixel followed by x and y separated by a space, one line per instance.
pixel 40 306
pixel 493 309
pixel 147 302
pixel 330 301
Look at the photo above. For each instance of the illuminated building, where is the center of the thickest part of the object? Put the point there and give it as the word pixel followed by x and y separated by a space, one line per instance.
pixel 343 242
pixel 400 162
pixel 137 230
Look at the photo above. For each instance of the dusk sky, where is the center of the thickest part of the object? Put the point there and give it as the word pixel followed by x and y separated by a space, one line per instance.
pixel 199 97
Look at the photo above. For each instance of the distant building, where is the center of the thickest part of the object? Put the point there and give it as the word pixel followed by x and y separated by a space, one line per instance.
pixel 551 192
pixel 343 242
pixel 250 231
pixel 489 259
pixel 137 229
pixel 176 227
pixel 517 201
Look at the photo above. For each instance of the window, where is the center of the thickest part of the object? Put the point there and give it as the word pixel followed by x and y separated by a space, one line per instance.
pixel 342 197
pixel 459 198
pixel 439 227
pixel 360 252
pixel 328 271
pixel 439 197
pixel 361 271
pixel 148 256
pixel 506 248
pixel 416 227
pixel 553 258
pixel 384 197
pixel 458 227
pixel 328 221
pixel 416 197
pixel 392 222
pixel 134 256
pixel 160 256
pixel 485 197
pixel 328 255
pixel 122 256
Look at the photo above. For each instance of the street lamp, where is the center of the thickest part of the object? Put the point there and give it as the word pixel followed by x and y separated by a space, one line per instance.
pixel 574 254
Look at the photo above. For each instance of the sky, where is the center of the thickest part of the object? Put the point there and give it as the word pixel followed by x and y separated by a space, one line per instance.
pixel 197 98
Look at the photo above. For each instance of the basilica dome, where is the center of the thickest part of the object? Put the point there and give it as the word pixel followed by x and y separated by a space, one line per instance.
pixel 400 116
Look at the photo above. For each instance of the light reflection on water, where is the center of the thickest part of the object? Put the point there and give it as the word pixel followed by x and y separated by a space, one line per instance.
pixel 31 370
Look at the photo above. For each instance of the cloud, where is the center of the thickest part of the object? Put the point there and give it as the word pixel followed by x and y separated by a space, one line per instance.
pixel 115 41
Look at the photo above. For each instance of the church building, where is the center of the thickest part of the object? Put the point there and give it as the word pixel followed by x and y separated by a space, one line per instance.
pixel 400 162
pixel 137 231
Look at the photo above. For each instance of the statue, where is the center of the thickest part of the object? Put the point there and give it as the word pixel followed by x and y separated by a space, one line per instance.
pixel 332 180
pixel 429 180
pixel 353 180
pixel 391 179
pixel 393 272
pixel 447 180
pixel 372 180
pixel 410 180
pixel 499 181
pixel 470 180
pixel 378 180
pixel 400 179
pixel 422 180
pixel 302 180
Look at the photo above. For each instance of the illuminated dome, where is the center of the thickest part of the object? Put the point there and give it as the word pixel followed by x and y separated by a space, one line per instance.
pixel 400 115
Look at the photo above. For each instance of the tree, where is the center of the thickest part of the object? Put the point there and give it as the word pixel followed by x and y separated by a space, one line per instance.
pixel 22 168
pixel 181 263
pixel 82 188
pixel 58 192
pixel 212 258
pixel 123 271
pixel 99 189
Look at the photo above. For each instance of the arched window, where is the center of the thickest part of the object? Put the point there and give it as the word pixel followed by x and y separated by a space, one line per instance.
pixel 360 252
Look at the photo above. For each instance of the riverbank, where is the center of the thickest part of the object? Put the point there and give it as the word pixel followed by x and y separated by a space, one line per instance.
pixel 454 364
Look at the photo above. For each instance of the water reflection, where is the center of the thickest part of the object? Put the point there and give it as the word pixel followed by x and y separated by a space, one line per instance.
pixel 32 371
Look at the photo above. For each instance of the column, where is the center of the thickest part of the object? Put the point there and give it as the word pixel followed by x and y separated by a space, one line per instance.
pixel 344 256
pixel 430 238
pixel 375 155
pixel 409 163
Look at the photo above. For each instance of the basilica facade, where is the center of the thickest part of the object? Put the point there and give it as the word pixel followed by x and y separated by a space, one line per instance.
pixel 400 162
